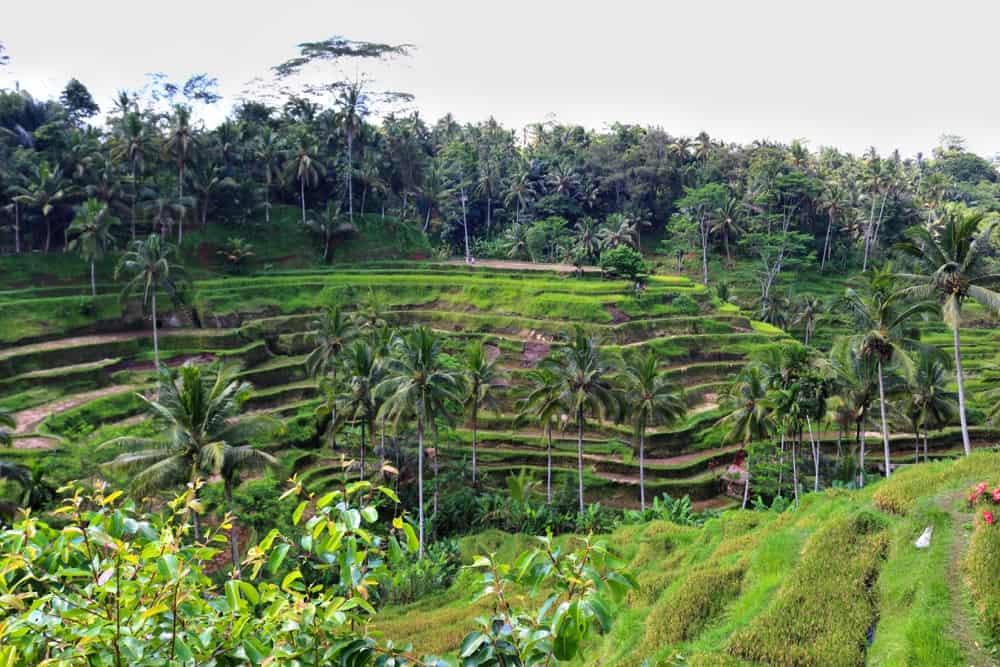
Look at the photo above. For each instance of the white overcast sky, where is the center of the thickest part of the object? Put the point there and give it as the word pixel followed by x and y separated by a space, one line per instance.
pixel 848 73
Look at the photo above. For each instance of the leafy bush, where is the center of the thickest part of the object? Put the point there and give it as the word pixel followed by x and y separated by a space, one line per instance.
pixel 823 611
pixel 623 261
pixel 412 580
pixel 236 254
pixel 982 562
pixel 679 511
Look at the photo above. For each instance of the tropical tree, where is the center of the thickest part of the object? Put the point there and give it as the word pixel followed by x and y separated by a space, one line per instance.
pixel 149 267
pixel 651 397
pixel 747 415
pixel 199 411
pixel 951 267
pixel 207 179
pixel 267 153
pixel 725 223
pixel 521 191
pixel 303 166
pixel 44 193
pixel 133 144
pixel 618 230
pixel 417 382
pixel 808 311
pixel 855 388
pixel 180 143
pixel 352 102
pixel 482 378
pixel 584 373
pixel 90 235
pixel 543 402
pixel 329 226
pixel 333 331
pixel 928 402
pixel 881 320
pixel 358 402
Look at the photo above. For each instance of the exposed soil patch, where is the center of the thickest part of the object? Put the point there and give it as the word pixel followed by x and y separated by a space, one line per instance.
pixel 28 420
pixel 35 442
pixel 533 352
pixel 91 340
pixel 618 315
pixel 203 358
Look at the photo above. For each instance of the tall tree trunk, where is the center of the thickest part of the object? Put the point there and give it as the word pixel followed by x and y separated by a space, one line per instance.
pixel 465 227
pixel 861 456
pixel 925 446
pixel 885 424
pixel 48 232
pixel 475 424
pixel 135 198
pixel 180 196
pixel 234 545
pixel 420 485
pixel 826 244
pixel 302 198
pixel 579 455
pixel 725 242
pixel 93 280
pixel 703 233
pixel 746 485
pixel 17 228
pixel 364 196
pixel 349 176
pixel 795 466
pixel 548 462
pixel 781 462
pixel 814 445
pixel 362 471
pixel 960 378
pixel 642 467
pixel 267 200
pixel 156 340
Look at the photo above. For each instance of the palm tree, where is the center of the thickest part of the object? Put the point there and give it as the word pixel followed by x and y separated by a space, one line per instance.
pixel 951 266
pixel 416 382
pixel 7 426
pixel 369 316
pixel 199 411
pixel 520 191
pixel 330 226
pixel 359 403
pixel 651 397
pixel 148 263
pixel 808 310
pixel 180 143
pixel 929 404
pixel 833 201
pixel 165 211
pixel 36 492
pixel 724 223
pixel 482 378
pixel 353 103
pixel 133 145
pixel 334 331
pixel 587 232
pixel 515 240
pixel 746 414
pixel 880 320
pixel 206 180
pixel 855 386
pixel 267 154
pixel 236 461
pixel 91 232
pixel 584 374
pixel 542 401
pixel 303 166
pixel 785 405
pixel 44 193
pixel 618 230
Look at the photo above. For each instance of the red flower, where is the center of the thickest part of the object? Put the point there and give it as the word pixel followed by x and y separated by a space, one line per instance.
pixel 996 496
pixel 988 518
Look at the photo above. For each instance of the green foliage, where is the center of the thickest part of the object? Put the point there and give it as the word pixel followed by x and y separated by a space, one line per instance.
pixel 623 261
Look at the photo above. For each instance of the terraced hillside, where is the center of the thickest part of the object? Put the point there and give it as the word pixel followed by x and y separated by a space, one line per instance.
pixel 72 381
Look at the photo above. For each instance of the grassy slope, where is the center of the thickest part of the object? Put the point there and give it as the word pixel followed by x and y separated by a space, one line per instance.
pixel 798 588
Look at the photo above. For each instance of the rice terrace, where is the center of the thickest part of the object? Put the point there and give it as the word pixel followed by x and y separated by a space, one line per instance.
pixel 306 375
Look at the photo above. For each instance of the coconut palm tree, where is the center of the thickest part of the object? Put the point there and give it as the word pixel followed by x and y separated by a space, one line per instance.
pixel 149 267
pixel 515 240
pixel 951 266
pixel 929 404
pixel 46 191
pixel 808 310
pixel 329 226
pixel 618 230
pixel 303 166
pixel 855 381
pixel 180 143
pixel 267 152
pixel 482 378
pixel 91 235
pixel 132 145
pixel 352 102
pixel 586 231
pixel 334 331
pixel 358 403
pixel 206 180
pixel 651 397
pixel 881 320
pixel 584 373
pixel 747 415
pixel 236 461
pixel 521 191
pixel 198 409
pixel 7 426
pixel 417 381
pixel 725 224
pixel 542 401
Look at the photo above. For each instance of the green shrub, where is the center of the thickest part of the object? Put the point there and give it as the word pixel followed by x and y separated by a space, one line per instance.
pixel 982 563
pixel 623 261
pixel 823 611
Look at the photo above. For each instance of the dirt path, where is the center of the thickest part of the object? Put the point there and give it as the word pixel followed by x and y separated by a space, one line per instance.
pixel 962 625
pixel 523 266
pixel 91 340
pixel 28 420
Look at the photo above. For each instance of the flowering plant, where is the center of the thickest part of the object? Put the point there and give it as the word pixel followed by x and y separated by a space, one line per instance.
pixel 982 493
